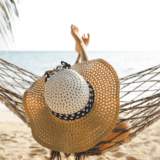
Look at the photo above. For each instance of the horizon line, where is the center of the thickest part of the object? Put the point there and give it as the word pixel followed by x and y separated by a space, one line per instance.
pixel 75 51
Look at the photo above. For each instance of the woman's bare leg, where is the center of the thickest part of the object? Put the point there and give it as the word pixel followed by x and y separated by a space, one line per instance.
pixel 78 58
pixel 81 44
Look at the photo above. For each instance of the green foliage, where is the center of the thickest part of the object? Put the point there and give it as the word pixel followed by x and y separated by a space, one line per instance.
pixel 8 11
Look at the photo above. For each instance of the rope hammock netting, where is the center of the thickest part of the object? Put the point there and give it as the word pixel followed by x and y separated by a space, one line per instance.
pixel 139 100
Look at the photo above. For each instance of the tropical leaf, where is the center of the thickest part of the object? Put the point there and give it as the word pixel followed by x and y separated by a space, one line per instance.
pixel 8 11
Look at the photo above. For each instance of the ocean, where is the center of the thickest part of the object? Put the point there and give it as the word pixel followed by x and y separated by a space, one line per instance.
pixel 37 62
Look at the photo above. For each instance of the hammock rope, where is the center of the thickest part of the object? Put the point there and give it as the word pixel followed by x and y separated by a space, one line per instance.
pixel 13 82
pixel 139 99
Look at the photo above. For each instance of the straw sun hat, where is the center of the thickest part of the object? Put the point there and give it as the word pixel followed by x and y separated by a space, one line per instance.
pixel 71 110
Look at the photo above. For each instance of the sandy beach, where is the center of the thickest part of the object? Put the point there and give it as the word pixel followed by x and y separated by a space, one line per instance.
pixel 17 143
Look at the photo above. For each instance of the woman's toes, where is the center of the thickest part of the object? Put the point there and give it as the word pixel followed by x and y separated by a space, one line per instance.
pixel 88 35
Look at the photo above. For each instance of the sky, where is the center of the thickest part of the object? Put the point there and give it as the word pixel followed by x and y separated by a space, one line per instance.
pixel 114 25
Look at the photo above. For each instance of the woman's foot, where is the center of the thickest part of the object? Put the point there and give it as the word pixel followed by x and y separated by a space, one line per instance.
pixel 79 41
pixel 75 33
pixel 86 39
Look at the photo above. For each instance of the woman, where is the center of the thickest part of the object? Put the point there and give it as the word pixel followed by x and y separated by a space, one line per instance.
pixel 71 110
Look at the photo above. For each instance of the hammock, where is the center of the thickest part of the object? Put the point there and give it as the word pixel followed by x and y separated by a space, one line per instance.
pixel 139 99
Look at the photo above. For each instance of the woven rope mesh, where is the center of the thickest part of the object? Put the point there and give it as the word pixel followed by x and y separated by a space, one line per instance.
pixel 13 82
pixel 140 97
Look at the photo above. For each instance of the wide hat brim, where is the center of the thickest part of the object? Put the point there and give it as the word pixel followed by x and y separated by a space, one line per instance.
pixel 81 134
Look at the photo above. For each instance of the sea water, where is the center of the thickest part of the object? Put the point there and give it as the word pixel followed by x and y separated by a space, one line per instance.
pixel 37 62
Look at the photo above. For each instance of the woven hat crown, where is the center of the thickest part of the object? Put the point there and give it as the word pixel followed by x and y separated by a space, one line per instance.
pixel 66 92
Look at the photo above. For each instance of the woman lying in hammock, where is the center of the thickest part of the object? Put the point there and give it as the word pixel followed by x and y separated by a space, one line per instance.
pixel 80 47
pixel 73 117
